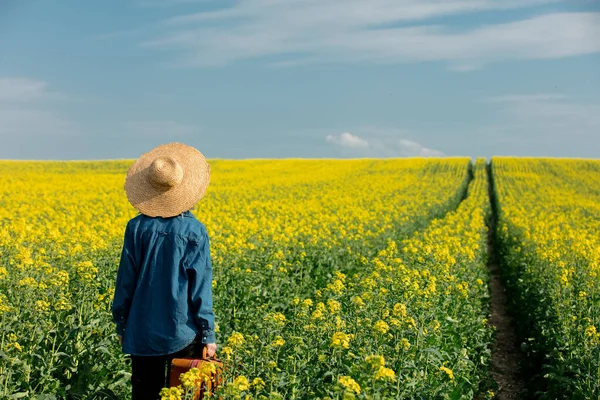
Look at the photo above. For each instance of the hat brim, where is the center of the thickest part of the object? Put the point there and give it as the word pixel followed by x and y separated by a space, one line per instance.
pixel 156 203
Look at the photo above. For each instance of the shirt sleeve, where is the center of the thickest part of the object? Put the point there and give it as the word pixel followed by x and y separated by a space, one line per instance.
pixel 125 284
pixel 199 272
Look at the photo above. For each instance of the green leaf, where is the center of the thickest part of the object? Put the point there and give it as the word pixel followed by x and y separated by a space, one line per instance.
pixel 46 397
pixel 19 395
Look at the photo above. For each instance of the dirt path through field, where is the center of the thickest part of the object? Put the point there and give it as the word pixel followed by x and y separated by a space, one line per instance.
pixel 506 357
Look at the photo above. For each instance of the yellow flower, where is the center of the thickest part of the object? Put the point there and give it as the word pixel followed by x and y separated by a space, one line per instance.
pixel 386 374
pixel 341 276
pixel 309 327
pixel 341 340
pixel 228 351
pixel 41 305
pixel 17 346
pixel 448 372
pixel 399 310
pixel 350 384
pixel 334 306
pixel 337 286
pixel 381 327
pixel 375 361
pixel 236 339
pixel 241 383
pixel 591 331
pixel 307 303
pixel 4 307
pixel 62 304
pixel 358 301
pixel 404 344
pixel 28 281
pixel 395 322
pixel 191 378
pixel 208 369
pixel 258 383
pixel 86 270
pixel 276 318
pixel 61 278
pixel 173 393
pixel 85 265
pixel 317 314
pixel 278 341
pixel 339 323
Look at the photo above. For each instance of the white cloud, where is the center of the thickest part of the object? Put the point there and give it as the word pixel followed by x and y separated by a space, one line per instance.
pixel 351 12
pixel 382 31
pixel 409 148
pixel 465 66
pixel 169 3
pixel 520 98
pixel 348 140
pixel 33 122
pixel 380 145
pixel 26 109
pixel 544 119
pixel 24 89
pixel 549 107
pixel 570 115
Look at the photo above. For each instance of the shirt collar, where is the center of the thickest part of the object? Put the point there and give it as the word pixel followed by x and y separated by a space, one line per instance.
pixel 187 214
pixel 183 214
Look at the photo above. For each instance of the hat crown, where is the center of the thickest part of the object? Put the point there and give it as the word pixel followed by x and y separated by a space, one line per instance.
pixel 165 173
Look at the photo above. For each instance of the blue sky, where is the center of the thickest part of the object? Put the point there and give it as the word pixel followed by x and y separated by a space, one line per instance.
pixel 300 78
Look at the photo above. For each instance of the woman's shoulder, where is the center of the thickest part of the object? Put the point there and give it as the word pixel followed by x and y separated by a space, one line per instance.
pixel 194 229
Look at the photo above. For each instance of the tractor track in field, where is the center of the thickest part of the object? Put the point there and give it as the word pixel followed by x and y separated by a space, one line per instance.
pixel 505 368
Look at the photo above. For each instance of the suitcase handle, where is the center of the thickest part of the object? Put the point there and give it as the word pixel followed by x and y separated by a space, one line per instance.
pixel 205 354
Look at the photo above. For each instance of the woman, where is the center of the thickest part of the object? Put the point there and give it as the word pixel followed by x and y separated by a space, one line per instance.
pixel 163 295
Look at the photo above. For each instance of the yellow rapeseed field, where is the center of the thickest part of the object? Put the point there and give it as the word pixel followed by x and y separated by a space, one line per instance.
pixel 549 233
pixel 332 279
pixel 299 249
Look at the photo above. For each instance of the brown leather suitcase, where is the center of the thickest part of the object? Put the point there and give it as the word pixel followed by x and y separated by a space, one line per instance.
pixel 180 365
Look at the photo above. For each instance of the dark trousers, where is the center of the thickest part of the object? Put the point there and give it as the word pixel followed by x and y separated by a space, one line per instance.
pixel 149 374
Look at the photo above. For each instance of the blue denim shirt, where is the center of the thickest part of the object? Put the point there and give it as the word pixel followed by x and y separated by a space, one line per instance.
pixel 163 292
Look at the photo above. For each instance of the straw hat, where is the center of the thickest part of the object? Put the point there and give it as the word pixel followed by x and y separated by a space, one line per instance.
pixel 167 180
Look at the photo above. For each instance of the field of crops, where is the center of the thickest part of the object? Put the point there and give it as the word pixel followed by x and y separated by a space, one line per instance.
pixel 333 279
pixel 549 234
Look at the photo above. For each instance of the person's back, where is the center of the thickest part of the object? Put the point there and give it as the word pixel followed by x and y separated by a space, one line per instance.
pixel 162 305
pixel 168 258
